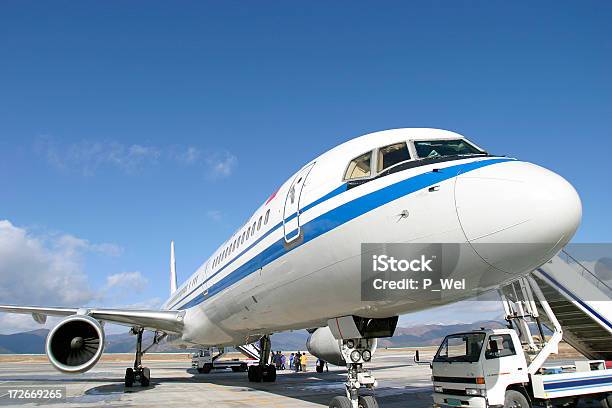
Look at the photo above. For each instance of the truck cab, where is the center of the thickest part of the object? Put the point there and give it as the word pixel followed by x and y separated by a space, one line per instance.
pixel 475 369
pixel 489 368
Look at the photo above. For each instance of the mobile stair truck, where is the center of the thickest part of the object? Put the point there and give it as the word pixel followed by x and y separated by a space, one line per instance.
pixel 506 367
pixel 204 361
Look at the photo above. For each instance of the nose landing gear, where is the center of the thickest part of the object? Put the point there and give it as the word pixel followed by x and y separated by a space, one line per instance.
pixel 355 353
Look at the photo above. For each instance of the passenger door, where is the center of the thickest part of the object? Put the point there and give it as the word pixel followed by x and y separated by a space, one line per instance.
pixel 291 213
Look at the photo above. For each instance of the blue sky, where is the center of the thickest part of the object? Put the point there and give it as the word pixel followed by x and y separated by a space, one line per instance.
pixel 126 124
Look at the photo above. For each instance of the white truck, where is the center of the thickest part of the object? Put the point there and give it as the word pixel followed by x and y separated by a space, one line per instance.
pixel 204 362
pixel 488 368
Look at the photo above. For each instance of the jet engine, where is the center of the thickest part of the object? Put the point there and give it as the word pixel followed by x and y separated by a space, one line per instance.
pixel 322 344
pixel 75 345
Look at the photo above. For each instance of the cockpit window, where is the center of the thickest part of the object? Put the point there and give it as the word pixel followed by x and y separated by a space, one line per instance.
pixel 391 155
pixel 439 148
pixel 359 167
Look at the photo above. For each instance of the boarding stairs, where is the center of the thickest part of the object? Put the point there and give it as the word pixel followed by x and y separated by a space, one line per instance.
pixel 250 350
pixel 564 297
pixel 581 302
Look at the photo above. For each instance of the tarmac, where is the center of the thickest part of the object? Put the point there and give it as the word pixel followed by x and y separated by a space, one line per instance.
pixel 401 383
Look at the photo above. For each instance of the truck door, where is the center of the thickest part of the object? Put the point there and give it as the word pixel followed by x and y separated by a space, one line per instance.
pixel 291 214
pixel 503 364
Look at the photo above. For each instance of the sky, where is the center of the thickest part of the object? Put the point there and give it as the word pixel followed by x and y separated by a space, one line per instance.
pixel 124 125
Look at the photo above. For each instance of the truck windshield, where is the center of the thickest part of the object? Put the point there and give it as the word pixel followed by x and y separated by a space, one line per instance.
pixel 440 148
pixel 463 347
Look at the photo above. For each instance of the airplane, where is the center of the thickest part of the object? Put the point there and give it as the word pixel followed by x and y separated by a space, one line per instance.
pixel 296 262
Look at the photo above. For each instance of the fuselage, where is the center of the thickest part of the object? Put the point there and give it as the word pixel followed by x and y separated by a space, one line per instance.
pixel 296 261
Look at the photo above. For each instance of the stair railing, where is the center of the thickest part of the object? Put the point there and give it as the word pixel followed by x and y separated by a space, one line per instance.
pixel 585 272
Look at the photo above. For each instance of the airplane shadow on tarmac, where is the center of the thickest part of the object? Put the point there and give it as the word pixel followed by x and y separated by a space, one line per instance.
pixel 313 387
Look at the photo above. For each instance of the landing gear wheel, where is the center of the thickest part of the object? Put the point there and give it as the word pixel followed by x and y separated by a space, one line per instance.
pixel 243 367
pixel 606 401
pixel 145 377
pixel 319 369
pixel 129 377
pixel 515 399
pixel 255 373
pixel 367 401
pixel 269 373
pixel 340 402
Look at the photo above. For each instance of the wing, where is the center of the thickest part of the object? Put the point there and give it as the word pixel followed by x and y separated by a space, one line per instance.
pixel 163 320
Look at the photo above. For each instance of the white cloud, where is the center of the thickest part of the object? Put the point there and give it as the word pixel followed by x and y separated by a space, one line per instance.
pixel 134 281
pixel 90 157
pixel 214 215
pixel 221 164
pixel 147 304
pixel 44 270
pixel 32 272
pixel 189 155
pixel 87 157
pixel 74 244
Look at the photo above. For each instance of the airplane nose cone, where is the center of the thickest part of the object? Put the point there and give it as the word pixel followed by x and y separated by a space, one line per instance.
pixel 516 215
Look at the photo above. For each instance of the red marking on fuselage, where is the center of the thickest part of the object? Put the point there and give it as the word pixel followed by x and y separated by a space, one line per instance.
pixel 271 197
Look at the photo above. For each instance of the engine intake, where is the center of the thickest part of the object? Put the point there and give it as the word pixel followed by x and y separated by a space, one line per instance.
pixel 76 344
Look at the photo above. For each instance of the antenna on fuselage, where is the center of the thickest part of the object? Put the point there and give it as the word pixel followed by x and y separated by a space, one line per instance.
pixel 172 269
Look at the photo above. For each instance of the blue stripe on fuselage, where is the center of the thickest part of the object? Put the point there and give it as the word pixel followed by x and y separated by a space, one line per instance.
pixel 331 220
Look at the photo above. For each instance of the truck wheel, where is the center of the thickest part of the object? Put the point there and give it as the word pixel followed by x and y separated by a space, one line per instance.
pixel 515 399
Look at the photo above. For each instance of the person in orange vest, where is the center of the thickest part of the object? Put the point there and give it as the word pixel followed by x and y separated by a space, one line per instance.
pixel 303 361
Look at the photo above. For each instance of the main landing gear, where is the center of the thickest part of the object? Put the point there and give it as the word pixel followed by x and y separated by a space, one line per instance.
pixel 139 373
pixel 263 371
pixel 356 352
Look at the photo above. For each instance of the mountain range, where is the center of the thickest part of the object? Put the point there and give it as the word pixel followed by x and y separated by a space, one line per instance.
pixel 33 342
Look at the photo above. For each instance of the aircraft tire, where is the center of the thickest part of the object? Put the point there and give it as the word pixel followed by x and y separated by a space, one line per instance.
pixel 367 401
pixel 340 402
pixel 255 373
pixel 269 374
pixel 129 377
pixel 145 377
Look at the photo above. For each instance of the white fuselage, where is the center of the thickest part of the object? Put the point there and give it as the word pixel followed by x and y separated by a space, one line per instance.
pixel 302 266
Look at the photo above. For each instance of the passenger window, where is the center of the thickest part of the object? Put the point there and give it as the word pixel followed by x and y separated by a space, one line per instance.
pixel 253 230
pixel 259 223
pixel 391 155
pixel 499 346
pixel 359 167
pixel 267 216
pixel 248 234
